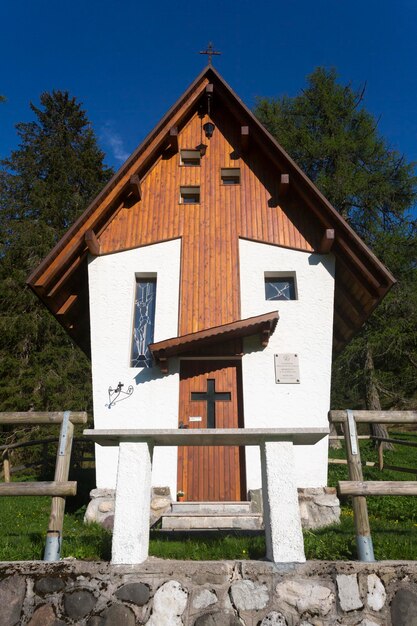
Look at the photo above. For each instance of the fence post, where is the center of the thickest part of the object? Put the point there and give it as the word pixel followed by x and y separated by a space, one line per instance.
pixel 6 466
pixel 56 519
pixel 360 509
pixel 381 455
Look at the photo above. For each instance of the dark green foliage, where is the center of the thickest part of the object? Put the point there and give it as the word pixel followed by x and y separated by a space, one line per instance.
pixel 335 140
pixel 44 186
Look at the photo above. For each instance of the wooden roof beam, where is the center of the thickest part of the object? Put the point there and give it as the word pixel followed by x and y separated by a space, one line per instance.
pixel 266 331
pixel 70 269
pixel 92 242
pixel 71 300
pixel 341 314
pixel 173 138
pixel 244 138
pixel 359 269
pixel 284 185
pixel 341 292
pixel 327 241
pixel 135 187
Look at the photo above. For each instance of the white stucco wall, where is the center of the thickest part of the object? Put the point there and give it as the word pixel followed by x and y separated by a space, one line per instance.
pixel 154 402
pixel 305 327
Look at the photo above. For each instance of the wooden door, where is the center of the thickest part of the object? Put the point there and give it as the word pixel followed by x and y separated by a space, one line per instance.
pixel 210 397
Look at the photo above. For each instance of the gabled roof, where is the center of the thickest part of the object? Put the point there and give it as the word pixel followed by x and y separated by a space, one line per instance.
pixel 61 280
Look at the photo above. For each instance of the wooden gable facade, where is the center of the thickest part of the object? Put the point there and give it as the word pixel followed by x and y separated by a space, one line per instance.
pixel 274 202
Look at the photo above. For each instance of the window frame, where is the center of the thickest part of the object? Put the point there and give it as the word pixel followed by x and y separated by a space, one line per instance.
pixel 147 362
pixel 190 154
pixel 230 174
pixel 190 191
pixel 282 276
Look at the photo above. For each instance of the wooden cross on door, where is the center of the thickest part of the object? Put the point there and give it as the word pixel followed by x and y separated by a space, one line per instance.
pixel 211 396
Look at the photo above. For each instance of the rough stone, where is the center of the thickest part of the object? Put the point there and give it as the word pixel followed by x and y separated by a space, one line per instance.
pixel 306 597
pixel 108 522
pixel 96 620
pixel 79 604
pixel 168 605
pixel 106 507
pixel 376 593
pixel 43 616
pixel 137 593
pixel 404 608
pixel 12 594
pixel 49 585
pixel 100 492
pixel 368 622
pixel 348 588
pixel 247 595
pixel 274 619
pixel 117 615
pixel 319 507
pixel 159 506
pixel 100 506
pixel 161 491
pixel 255 498
pixel 217 619
pixel 204 598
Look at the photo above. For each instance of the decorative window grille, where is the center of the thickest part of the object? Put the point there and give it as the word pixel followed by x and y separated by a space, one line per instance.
pixel 280 287
pixel 144 322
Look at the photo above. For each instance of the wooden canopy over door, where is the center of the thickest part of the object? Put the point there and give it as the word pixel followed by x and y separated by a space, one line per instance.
pixel 210 397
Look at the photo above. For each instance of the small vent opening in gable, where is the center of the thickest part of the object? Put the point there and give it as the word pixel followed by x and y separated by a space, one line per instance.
pixel 190 158
pixel 230 175
pixel 189 195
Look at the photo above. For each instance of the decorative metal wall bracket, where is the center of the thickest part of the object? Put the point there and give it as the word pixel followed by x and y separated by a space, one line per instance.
pixel 117 394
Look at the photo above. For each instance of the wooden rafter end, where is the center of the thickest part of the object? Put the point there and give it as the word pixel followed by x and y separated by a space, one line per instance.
pixel 92 242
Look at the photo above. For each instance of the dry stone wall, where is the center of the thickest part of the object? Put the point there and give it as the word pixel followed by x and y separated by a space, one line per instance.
pixel 179 593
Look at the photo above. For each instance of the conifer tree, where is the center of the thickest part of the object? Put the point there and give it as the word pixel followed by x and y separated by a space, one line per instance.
pixel 44 185
pixel 335 140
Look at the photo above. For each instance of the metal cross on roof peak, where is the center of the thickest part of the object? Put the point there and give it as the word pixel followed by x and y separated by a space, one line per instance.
pixel 210 52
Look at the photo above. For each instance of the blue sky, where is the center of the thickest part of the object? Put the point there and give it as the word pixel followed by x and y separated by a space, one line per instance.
pixel 128 61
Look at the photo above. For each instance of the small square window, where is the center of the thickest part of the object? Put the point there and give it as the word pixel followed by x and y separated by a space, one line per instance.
pixel 189 195
pixel 230 175
pixel 280 287
pixel 190 158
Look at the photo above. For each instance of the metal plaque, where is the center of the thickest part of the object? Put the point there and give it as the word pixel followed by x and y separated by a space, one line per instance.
pixel 195 419
pixel 287 370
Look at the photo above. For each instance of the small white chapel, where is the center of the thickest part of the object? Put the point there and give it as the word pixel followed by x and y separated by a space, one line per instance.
pixel 210 283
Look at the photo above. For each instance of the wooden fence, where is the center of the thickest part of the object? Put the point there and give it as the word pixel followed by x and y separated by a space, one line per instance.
pixel 356 486
pixel 60 487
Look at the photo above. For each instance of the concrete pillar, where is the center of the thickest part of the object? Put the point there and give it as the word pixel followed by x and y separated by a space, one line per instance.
pixel 283 534
pixel 132 506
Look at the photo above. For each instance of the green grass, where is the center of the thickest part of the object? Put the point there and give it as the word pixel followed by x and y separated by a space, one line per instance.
pixel 23 526
pixel 393 520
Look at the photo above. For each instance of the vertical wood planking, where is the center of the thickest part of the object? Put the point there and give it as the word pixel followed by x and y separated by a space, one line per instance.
pixel 210 230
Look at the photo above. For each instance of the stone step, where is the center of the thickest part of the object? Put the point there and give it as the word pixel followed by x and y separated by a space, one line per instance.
pixel 179 521
pixel 211 508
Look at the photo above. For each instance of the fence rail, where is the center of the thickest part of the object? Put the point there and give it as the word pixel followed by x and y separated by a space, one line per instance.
pixel 357 487
pixel 42 417
pixel 39 488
